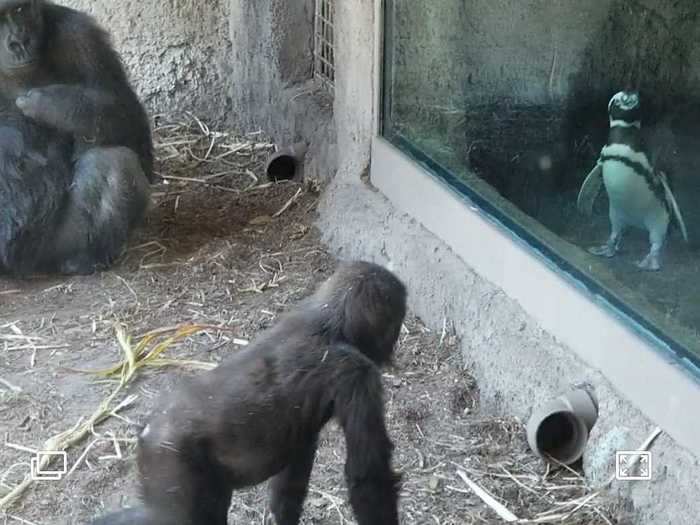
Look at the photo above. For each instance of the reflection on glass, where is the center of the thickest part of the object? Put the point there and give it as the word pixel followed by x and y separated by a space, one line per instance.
pixel 539 107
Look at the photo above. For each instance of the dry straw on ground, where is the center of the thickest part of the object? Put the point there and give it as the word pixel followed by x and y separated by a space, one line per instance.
pixel 223 161
pixel 201 170
pixel 135 357
pixel 224 253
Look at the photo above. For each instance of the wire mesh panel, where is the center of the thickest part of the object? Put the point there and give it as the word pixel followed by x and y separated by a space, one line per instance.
pixel 324 54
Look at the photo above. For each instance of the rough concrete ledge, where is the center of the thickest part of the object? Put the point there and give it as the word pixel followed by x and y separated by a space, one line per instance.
pixel 516 363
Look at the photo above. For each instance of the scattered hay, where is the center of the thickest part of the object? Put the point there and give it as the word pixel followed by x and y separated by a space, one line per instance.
pixel 12 388
pixel 219 158
pixel 440 444
pixel 135 358
pixel 13 339
pixel 201 259
pixel 225 254
pixel 210 177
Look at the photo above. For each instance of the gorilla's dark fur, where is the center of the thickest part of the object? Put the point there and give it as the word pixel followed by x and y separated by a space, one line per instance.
pixel 76 152
pixel 258 415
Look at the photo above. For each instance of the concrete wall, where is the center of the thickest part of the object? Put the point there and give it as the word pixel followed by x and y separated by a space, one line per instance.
pixel 531 51
pixel 273 89
pixel 177 52
pixel 516 362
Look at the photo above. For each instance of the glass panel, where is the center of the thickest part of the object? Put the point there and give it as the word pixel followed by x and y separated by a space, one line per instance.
pixel 508 100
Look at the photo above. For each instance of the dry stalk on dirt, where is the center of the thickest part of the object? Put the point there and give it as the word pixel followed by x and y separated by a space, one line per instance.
pixel 135 357
pixel 184 146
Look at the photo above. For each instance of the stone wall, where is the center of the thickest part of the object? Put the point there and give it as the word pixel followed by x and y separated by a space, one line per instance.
pixel 272 87
pixel 177 52
pixel 246 64
pixel 534 51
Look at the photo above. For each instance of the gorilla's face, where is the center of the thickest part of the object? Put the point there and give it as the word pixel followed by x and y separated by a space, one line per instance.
pixel 21 34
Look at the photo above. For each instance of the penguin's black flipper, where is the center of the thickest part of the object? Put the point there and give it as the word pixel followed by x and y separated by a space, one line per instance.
pixel 590 189
pixel 672 204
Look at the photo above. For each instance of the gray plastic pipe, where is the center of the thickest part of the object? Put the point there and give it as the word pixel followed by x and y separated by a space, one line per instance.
pixel 286 163
pixel 561 427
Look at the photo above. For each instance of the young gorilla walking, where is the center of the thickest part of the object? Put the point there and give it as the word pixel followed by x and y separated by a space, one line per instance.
pixel 259 413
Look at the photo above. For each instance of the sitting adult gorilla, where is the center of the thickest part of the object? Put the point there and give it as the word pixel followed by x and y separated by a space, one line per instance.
pixel 76 153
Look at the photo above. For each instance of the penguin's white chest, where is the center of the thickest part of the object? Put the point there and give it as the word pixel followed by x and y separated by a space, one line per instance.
pixel 630 194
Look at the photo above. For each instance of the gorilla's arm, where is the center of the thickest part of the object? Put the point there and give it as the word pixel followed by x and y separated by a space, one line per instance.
pixel 73 109
pixel 87 94
pixel 288 489
pixel 373 485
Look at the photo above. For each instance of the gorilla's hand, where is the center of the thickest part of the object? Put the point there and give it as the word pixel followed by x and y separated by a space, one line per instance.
pixel 53 105
pixel 37 104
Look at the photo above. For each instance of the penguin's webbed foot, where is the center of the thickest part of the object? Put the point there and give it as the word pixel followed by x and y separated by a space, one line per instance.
pixel 650 263
pixel 607 250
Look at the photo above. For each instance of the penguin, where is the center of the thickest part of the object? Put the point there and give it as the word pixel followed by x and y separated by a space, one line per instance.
pixel 639 195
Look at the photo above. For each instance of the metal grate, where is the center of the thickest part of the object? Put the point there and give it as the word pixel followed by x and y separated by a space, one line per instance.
pixel 324 52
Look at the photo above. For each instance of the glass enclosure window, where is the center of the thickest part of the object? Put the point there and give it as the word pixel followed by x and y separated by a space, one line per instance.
pixel 515 102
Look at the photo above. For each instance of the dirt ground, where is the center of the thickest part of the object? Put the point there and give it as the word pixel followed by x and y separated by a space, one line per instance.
pixel 225 249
